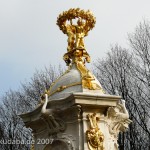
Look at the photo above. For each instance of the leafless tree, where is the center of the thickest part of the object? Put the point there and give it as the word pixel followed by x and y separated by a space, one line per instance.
pixel 123 72
pixel 117 73
pixel 140 43
pixel 21 101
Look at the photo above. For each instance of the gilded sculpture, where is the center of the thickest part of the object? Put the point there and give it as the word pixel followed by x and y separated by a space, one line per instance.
pixel 95 137
pixel 76 24
pixel 76 31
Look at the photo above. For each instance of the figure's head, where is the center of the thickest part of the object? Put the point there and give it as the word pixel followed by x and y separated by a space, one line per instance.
pixel 80 22
pixel 111 112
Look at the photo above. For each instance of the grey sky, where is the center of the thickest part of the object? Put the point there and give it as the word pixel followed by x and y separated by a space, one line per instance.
pixel 30 38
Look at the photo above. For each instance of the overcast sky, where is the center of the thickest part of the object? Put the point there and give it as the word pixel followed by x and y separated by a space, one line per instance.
pixel 30 38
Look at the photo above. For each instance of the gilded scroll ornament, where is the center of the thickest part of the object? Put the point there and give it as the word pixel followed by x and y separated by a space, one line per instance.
pixel 94 136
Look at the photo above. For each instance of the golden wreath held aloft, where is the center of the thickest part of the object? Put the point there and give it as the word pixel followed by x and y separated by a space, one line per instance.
pixel 74 13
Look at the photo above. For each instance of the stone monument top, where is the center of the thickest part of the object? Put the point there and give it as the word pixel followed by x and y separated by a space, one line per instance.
pixel 76 24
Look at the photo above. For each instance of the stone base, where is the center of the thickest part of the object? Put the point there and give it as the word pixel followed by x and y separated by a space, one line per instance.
pixel 66 127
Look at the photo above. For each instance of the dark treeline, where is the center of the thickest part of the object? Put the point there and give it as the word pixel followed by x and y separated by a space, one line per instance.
pixel 21 101
pixel 122 71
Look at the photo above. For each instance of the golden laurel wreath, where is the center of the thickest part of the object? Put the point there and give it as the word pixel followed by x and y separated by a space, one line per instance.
pixel 74 13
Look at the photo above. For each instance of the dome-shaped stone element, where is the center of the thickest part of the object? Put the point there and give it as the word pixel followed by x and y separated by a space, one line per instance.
pixel 70 82
pixel 78 78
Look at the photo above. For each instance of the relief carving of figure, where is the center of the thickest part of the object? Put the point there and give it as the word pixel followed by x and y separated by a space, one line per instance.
pixel 118 121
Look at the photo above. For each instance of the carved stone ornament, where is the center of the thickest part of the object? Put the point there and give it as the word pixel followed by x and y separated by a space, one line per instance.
pixel 94 136
pixel 54 125
pixel 118 121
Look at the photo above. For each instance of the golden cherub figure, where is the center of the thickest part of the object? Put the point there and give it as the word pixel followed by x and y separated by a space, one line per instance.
pixel 81 32
pixel 76 23
pixel 76 34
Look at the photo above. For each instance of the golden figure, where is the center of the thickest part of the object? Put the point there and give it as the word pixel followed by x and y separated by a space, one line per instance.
pixel 70 31
pixel 81 32
pixel 76 32
pixel 95 137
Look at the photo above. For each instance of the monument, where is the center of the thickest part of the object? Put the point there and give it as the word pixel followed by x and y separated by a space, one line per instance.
pixel 76 113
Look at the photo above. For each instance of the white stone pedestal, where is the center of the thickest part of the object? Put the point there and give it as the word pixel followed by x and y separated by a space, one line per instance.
pixel 67 126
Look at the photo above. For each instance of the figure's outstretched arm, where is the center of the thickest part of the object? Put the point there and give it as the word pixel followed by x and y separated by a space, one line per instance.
pixel 86 27
pixel 124 108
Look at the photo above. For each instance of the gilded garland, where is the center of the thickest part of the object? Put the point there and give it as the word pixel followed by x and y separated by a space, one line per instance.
pixel 73 14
